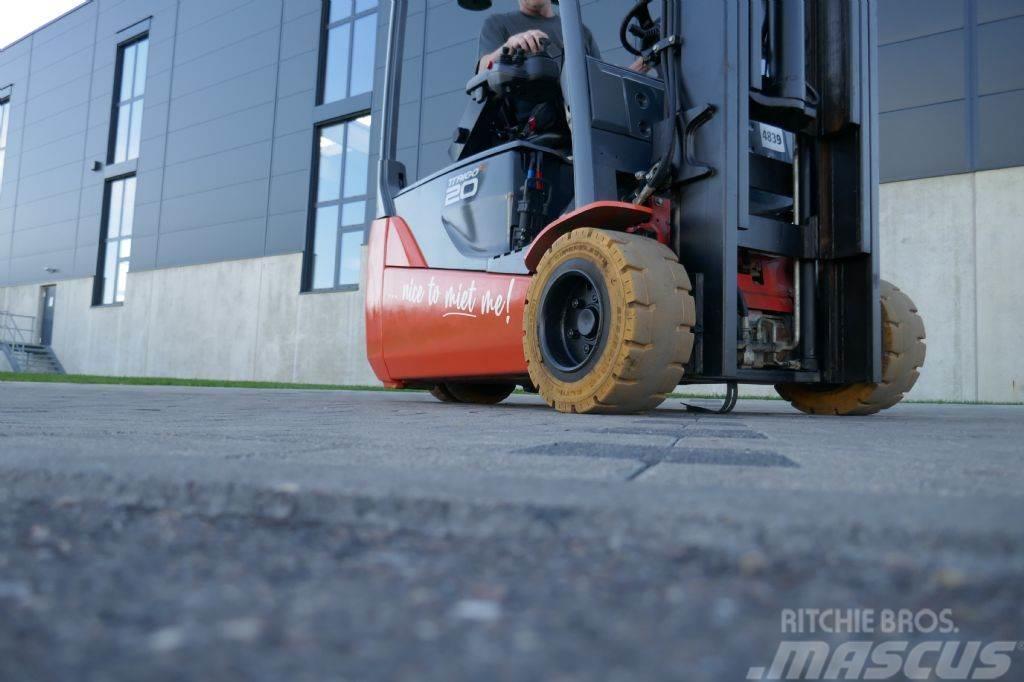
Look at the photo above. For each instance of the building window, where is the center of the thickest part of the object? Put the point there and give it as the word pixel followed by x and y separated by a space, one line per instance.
pixel 5 116
pixel 116 243
pixel 130 87
pixel 351 39
pixel 340 205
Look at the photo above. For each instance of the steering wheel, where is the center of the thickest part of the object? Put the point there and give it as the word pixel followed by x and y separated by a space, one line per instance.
pixel 645 28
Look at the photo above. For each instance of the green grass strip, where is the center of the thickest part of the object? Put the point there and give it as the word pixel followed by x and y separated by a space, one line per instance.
pixel 168 381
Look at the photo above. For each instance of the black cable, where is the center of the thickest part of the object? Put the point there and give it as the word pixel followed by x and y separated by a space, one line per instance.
pixel 671 96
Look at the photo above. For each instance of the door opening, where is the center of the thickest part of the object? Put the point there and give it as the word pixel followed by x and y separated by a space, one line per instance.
pixel 48 296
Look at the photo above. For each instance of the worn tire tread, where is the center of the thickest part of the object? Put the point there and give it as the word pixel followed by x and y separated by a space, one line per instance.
pixel 646 356
pixel 903 355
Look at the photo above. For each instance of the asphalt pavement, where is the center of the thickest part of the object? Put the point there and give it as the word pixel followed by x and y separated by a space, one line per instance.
pixel 166 533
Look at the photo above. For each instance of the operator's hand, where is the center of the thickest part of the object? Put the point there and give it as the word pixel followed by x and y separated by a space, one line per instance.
pixel 528 41
pixel 639 66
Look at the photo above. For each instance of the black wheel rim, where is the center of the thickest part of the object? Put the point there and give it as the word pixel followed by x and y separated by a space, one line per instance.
pixel 572 320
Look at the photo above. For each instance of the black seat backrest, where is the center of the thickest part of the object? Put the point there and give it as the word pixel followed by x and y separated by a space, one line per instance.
pixel 516 97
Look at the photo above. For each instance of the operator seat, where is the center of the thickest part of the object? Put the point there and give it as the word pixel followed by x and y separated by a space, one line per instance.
pixel 518 97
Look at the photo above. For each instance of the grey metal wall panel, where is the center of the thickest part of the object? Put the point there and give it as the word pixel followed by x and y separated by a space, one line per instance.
pixel 234 95
pixel 58 42
pixel 221 134
pixel 1001 56
pixel 54 208
pixel 297 74
pixel 235 166
pixel 6 222
pixel 214 69
pixel 65 122
pixel 447 25
pixel 924 141
pixel 223 33
pixel 286 232
pixel 5 247
pixel 292 153
pixel 71 68
pixel 147 218
pixel 1000 130
pixel 143 254
pixel 300 35
pixel 445 113
pixel 41 185
pixel 923 71
pixel 919 67
pixel 229 241
pixel 57 236
pixel 288 193
pixel 152 151
pixel 298 8
pixel 447 69
pixel 294 113
pixel 195 13
pixel 35 268
pixel 217 206
pixel 89 225
pixel 991 10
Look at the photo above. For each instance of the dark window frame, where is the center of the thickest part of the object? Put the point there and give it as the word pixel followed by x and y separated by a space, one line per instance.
pixel 116 102
pixel 5 113
pixel 325 28
pixel 326 114
pixel 101 252
pixel 314 205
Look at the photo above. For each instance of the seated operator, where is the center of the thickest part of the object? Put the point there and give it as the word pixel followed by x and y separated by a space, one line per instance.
pixel 534 22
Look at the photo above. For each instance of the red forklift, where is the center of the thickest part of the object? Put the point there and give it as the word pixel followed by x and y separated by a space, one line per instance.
pixel 603 236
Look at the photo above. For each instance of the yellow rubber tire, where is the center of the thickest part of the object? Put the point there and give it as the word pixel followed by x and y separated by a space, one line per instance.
pixel 903 353
pixel 648 327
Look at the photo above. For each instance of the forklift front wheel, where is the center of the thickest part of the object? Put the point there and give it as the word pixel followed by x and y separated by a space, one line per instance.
pixel 608 322
pixel 903 351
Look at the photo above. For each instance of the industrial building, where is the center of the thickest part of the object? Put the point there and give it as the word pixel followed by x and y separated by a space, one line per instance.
pixel 185 185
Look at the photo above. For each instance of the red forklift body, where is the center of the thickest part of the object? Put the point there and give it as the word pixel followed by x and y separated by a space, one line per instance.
pixel 425 323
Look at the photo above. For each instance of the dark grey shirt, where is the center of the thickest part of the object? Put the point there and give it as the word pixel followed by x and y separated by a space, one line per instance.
pixel 500 27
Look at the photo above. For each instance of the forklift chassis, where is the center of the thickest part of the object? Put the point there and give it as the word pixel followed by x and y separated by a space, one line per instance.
pixel 715 224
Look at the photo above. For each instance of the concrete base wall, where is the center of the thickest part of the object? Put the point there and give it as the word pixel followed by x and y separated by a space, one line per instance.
pixel 237 320
pixel 955 244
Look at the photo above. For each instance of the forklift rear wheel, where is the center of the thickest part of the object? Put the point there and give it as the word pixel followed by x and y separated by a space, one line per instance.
pixel 476 394
pixel 441 392
pixel 608 323
pixel 903 351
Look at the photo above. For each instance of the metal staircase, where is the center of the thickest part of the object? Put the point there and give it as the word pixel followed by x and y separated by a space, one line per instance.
pixel 16 337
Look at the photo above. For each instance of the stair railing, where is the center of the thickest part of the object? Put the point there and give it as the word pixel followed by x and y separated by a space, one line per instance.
pixel 16 330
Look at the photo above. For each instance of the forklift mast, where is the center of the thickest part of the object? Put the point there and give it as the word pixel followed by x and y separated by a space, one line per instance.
pixel 767 126
pixel 809 69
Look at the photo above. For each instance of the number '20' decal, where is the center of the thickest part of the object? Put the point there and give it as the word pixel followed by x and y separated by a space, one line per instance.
pixel 462 187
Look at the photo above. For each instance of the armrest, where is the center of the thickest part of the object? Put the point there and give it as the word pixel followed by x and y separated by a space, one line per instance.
pixel 476 82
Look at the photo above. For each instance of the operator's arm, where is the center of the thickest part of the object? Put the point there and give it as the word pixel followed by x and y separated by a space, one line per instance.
pixel 528 41
pixel 494 37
